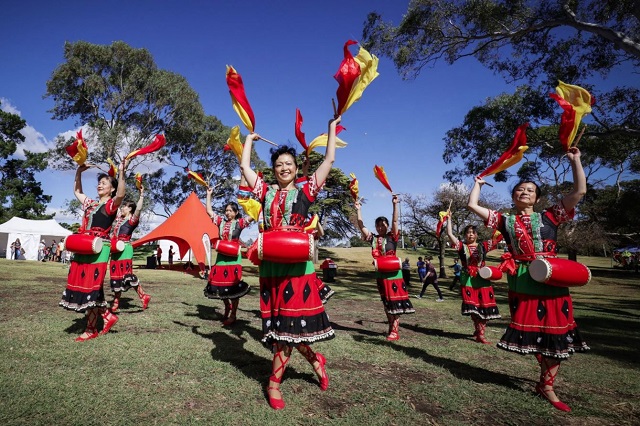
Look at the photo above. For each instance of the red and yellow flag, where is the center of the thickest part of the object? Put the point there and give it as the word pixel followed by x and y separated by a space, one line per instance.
pixel 323 139
pixel 496 237
pixel 138 180
pixel 380 174
pixel 239 99
pixel 233 143
pixel 78 150
pixel 113 170
pixel 298 129
pixel 197 177
pixel 442 222
pixel 354 75
pixel 158 142
pixel 576 102
pixel 512 156
pixel 353 187
pixel 251 206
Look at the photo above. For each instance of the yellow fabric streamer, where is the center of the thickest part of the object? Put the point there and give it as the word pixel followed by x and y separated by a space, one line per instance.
pixel 322 140
pixel 368 72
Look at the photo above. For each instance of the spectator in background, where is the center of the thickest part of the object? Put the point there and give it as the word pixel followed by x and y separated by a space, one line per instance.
pixel 16 249
pixel 171 253
pixel 430 278
pixel 59 249
pixel 41 248
pixel 52 250
pixel 159 256
pixel 457 269
pixel 422 269
pixel 406 271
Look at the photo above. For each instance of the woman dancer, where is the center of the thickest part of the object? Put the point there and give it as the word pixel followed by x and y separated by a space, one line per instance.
pixel 84 290
pixel 541 315
pixel 478 299
pixel 225 279
pixel 392 288
pixel 292 313
pixel 121 265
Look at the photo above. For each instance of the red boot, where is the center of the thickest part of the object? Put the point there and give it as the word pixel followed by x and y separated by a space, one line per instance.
pixel 393 333
pixel 109 321
pixel 548 373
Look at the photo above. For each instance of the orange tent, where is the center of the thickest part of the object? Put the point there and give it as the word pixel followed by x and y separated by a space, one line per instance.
pixel 190 227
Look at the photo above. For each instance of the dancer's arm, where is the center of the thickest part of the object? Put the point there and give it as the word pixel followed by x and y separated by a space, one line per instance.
pixel 570 200
pixel 473 205
pixel 322 172
pixel 245 162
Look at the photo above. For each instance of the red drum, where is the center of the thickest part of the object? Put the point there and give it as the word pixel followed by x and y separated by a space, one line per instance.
pixel 227 247
pixel 387 263
pixel 559 272
pixel 83 244
pixel 490 273
pixel 285 246
pixel 117 246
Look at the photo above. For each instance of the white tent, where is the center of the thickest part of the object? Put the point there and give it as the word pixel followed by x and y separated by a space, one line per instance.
pixel 30 232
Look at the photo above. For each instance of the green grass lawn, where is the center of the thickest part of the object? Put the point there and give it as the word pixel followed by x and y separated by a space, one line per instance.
pixel 175 363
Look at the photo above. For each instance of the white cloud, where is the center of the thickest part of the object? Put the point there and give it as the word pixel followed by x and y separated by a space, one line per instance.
pixel 8 107
pixel 34 140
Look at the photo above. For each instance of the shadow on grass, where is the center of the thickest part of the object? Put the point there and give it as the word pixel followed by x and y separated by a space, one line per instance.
pixel 458 369
pixel 229 347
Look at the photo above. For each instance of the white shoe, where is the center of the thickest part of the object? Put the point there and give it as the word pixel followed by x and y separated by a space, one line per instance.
pixel 440 300
pixel 418 296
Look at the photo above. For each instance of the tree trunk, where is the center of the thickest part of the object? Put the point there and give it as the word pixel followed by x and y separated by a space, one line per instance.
pixel 443 270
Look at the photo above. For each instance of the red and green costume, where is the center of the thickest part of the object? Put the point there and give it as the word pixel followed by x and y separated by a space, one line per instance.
pixel 225 278
pixel 478 297
pixel 121 273
pixel 87 272
pixel 391 285
pixel 290 305
pixel 541 315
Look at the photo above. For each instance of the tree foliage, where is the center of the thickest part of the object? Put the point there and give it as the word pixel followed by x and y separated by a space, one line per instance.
pixel 539 42
pixel 20 194
pixel 520 39
pixel 123 100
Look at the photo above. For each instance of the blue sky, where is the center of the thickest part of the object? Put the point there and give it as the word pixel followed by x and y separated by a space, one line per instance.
pixel 286 52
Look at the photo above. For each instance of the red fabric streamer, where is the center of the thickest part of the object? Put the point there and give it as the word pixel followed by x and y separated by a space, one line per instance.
pixel 78 150
pixel 158 142
pixel 380 174
pixel 299 134
pixel 511 156
pixel 346 76
pixel 197 177
pixel 239 98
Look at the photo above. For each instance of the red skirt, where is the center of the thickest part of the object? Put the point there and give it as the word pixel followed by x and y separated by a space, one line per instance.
pixel 121 277
pixel 478 298
pixel 225 279
pixel 542 324
pixel 290 305
pixel 394 293
pixel 84 282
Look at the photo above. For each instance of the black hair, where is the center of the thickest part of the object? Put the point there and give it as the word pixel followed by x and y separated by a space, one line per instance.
pixel 284 149
pixel 131 205
pixel 523 181
pixel 466 229
pixel 234 207
pixel 114 182
pixel 382 219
